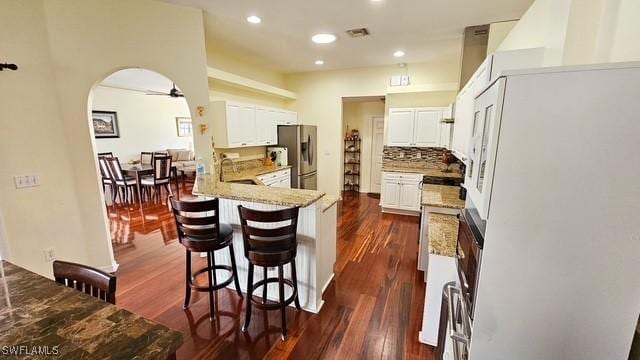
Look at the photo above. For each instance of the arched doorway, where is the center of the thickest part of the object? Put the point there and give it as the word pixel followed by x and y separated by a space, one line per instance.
pixel 136 114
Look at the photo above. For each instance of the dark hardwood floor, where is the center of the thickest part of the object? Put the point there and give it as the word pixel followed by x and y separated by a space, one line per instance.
pixel 373 310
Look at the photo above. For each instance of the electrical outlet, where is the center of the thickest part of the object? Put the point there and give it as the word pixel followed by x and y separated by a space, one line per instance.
pixel 26 181
pixel 49 255
pixel 419 155
pixel 401 155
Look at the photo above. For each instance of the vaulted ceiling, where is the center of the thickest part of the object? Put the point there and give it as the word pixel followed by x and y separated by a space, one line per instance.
pixel 424 29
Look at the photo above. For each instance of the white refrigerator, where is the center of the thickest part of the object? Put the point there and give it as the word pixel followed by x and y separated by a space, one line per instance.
pixel 556 175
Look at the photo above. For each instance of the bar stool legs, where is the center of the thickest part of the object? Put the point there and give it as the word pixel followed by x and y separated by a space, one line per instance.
pixel 187 295
pixel 247 315
pixel 283 306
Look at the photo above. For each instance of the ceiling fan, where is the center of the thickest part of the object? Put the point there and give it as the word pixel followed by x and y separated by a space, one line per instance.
pixel 174 92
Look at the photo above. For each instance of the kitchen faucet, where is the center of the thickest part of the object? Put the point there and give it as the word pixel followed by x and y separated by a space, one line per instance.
pixel 233 164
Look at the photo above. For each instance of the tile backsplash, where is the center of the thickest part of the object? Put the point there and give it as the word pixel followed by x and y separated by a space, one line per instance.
pixel 429 158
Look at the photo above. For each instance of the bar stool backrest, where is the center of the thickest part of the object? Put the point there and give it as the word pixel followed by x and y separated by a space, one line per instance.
pixel 269 241
pixel 196 219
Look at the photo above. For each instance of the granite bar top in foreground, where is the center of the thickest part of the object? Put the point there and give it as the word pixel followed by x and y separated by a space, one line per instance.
pixel 39 314
pixel 209 185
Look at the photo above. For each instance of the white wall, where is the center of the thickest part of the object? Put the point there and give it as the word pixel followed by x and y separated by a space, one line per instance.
pixel 147 123
pixel 64 48
pixel 497 33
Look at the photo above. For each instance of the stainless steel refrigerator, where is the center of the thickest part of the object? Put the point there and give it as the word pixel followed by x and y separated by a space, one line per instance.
pixel 301 142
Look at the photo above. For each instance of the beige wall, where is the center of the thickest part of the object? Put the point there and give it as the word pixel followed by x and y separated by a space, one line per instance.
pixel 320 103
pixel 63 51
pixel 497 33
pixel 358 115
pixel 579 32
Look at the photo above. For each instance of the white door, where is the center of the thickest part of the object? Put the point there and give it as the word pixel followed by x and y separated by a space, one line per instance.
pixel 427 127
pixel 241 123
pixel 409 195
pixel 377 147
pixel 390 195
pixel 400 127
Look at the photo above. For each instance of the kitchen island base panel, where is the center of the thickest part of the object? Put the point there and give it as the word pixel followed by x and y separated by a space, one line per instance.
pixel 314 259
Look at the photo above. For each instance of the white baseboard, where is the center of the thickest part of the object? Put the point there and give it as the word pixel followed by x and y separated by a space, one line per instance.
pixel 110 268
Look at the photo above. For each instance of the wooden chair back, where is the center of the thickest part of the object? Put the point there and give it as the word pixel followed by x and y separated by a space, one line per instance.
pixel 84 278
pixel 115 169
pixel 198 220
pixel 161 167
pixel 146 158
pixel 104 168
pixel 270 243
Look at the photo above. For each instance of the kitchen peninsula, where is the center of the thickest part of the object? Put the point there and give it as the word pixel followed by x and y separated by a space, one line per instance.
pixel 316 232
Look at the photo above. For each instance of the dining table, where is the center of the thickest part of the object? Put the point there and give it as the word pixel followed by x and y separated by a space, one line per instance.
pixel 137 171
pixel 40 318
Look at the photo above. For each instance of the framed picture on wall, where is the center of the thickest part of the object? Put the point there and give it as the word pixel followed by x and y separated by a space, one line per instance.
pixel 184 127
pixel 105 124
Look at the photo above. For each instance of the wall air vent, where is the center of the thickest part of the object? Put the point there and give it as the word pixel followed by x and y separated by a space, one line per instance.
pixel 354 33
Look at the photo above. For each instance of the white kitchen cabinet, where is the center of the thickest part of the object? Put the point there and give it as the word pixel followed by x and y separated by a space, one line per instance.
pixel 479 174
pixel 417 127
pixel 401 191
pixel 266 126
pixel 241 125
pixel 280 178
pixel 427 126
pixel 486 73
pixel 400 127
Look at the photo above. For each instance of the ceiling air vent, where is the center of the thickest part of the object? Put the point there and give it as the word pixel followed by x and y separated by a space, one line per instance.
pixel 354 33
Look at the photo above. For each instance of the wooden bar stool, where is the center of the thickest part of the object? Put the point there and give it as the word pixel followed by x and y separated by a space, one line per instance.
pixel 270 247
pixel 200 230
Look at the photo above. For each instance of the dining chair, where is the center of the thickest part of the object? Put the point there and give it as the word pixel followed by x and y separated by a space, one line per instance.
pixel 146 158
pixel 106 177
pixel 161 177
pixel 84 278
pixel 124 184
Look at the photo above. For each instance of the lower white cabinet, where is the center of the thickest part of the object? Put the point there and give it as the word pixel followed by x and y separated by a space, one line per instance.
pixel 401 191
pixel 280 178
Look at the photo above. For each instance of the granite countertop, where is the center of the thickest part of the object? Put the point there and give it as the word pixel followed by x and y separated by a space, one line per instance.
pixel 423 171
pixel 209 185
pixel 38 312
pixel 443 234
pixel 328 201
pixel 442 196
pixel 252 173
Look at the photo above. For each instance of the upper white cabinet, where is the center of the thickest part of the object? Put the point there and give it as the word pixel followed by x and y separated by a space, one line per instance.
pixel 418 127
pixel 400 127
pixel 242 125
pixel 487 72
pixel 427 127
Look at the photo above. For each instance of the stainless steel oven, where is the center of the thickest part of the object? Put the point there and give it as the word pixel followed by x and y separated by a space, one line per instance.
pixel 458 297
pixel 469 255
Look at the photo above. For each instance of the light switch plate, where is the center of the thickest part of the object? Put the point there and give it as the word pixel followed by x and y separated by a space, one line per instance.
pixel 401 155
pixel 419 155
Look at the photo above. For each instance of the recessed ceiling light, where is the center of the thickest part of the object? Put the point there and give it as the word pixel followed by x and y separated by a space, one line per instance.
pixel 323 38
pixel 319 62
pixel 254 19
pixel 398 53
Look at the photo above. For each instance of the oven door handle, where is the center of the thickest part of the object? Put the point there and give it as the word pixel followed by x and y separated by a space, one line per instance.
pixel 456 336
